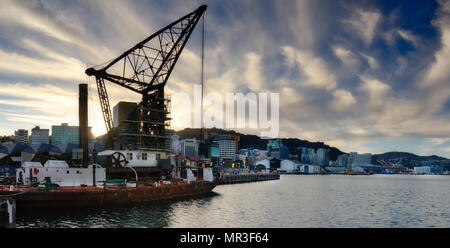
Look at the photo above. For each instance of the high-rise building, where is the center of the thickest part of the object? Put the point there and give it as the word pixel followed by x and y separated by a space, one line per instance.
pixel 323 157
pixel 351 157
pixel 189 147
pixel 355 159
pixel 307 155
pixel 121 111
pixel 342 160
pixel 39 136
pixel 65 134
pixel 21 136
pixel 362 159
pixel 227 146
pixel 277 149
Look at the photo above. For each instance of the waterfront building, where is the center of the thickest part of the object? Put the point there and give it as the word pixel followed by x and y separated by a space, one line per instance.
pixel 289 166
pixel 427 170
pixel 342 160
pixel 248 152
pixel 39 136
pixel 435 169
pixel 189 147
pixel 121 111
pixel 422 170
pixel 64 134
pixel 275 164
pixel 209 151
pixel 262 165
pixel 356 160
pixel 395 169
pixel 227 146
pixel 307 155
pixel 374 168
pixel 363 159
pixel 277 150
pixel 351 157
pixel 253 153
pixel 21 136
pixel 336 169
pixel 322 157
pixel 309 169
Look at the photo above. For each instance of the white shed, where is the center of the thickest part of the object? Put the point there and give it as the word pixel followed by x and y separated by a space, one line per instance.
pixel 309 169
pixel 289 166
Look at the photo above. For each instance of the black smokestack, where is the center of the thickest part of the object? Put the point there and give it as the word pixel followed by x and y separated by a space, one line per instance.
pixel 83 122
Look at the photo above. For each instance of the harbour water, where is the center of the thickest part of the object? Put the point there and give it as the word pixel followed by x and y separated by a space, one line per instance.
pixel 293 201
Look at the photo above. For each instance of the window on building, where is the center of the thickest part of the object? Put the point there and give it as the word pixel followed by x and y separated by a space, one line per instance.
pixel 158 156
pixel 144 156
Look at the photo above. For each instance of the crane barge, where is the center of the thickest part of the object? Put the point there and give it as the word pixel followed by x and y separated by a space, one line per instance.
pixel 143 69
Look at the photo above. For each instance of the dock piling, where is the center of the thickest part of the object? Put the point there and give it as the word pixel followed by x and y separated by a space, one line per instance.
pixel 7 212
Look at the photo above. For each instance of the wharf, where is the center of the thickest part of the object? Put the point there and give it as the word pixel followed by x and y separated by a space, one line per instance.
pixel 246 178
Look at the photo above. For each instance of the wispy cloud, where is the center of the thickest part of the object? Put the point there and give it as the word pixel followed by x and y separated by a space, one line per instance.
pixel 347 82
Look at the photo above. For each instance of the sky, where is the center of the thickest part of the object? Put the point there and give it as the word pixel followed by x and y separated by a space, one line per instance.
pixel 365 76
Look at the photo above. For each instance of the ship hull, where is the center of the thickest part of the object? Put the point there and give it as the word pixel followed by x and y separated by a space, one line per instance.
pixel 96 197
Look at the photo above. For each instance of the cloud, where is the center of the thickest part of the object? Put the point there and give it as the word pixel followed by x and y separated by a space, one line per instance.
pixel 14 63
pixel 435 82
pixel 253 75
pixel 68 32
pixel 342 100
pixel 438 141
pixel 408 36
pixel 375 89
pixel 373 63
pixel 364 23
pixel 338 82
pixel 313 67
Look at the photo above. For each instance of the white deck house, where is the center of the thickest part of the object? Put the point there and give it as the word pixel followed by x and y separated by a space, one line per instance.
pixel 138 158
pixel 60 173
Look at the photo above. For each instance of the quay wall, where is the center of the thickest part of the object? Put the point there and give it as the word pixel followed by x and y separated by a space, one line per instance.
pixel 246 178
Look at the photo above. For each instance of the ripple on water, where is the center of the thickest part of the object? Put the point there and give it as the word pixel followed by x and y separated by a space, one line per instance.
pixel 292 201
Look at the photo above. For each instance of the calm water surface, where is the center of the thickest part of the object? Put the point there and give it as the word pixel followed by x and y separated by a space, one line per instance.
pixel 292 201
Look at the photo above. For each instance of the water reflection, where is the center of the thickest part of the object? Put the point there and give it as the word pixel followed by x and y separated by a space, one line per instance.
pixel 292 201
pixel 143 215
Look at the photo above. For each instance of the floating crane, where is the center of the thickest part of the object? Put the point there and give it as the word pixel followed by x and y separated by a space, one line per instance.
pixel 145 69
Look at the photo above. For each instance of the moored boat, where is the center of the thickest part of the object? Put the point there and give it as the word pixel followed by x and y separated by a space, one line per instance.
pixel 96 196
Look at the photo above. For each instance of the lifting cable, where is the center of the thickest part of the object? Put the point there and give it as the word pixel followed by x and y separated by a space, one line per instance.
pixel 202 75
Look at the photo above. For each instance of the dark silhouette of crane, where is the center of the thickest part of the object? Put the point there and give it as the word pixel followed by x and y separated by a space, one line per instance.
pixel 145 69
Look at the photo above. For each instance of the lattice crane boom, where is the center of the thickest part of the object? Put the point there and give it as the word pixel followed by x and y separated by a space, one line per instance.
pixel 146 67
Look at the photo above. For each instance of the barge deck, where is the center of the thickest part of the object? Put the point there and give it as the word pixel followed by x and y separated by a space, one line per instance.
pixel 83 196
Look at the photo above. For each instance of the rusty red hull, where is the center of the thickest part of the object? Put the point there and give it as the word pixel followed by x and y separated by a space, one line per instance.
pixel 96 197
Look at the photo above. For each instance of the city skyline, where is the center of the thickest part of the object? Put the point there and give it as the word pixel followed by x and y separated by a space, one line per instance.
pixel 362 76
